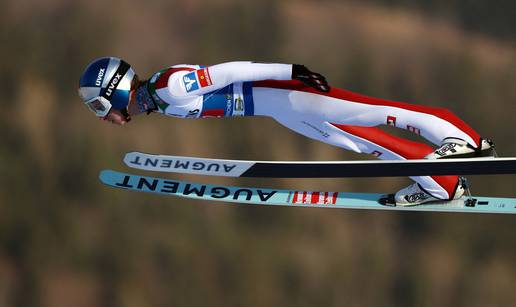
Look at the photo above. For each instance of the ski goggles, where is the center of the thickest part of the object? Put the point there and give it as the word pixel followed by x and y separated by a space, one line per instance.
pixel 99 105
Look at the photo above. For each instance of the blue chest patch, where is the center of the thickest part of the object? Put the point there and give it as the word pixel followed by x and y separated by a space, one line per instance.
pixel 190 82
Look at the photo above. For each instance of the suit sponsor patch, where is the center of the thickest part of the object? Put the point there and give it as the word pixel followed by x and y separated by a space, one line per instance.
pixel 391 121
pixel 414 130
pixel 197 79
pixel 190 82
pixel 203 75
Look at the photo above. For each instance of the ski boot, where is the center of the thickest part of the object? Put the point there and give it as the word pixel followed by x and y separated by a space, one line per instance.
pixel 457 148
pixel 414 195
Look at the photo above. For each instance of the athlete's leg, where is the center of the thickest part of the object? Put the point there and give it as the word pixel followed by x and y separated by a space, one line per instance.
pixel 389 147
pixel 279 104
pixel 374 141
pixel 346 108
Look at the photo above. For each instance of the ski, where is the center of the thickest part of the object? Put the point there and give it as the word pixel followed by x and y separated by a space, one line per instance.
pixel 322 169
pixel 293 198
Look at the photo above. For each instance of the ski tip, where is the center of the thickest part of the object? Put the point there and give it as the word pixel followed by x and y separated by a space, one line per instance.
pixel 105 174
pixel 131 154
pixel 139 153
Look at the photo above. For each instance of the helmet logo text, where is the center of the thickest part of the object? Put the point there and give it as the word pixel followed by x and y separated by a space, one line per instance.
pixel 113 84
pixel 99 77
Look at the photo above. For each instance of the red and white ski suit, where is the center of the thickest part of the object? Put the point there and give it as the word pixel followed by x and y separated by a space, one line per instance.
pixel 339 117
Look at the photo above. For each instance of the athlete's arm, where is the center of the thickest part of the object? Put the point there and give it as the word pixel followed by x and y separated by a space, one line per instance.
pixel 214 77
pixel 205 80
pixel 231 72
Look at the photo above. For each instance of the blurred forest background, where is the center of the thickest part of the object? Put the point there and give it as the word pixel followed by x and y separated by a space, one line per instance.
pixel 66 240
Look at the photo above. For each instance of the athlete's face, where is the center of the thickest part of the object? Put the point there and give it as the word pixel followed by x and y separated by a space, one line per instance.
pixel 116 117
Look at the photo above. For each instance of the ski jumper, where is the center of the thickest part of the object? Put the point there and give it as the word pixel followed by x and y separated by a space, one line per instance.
pixel 339 117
